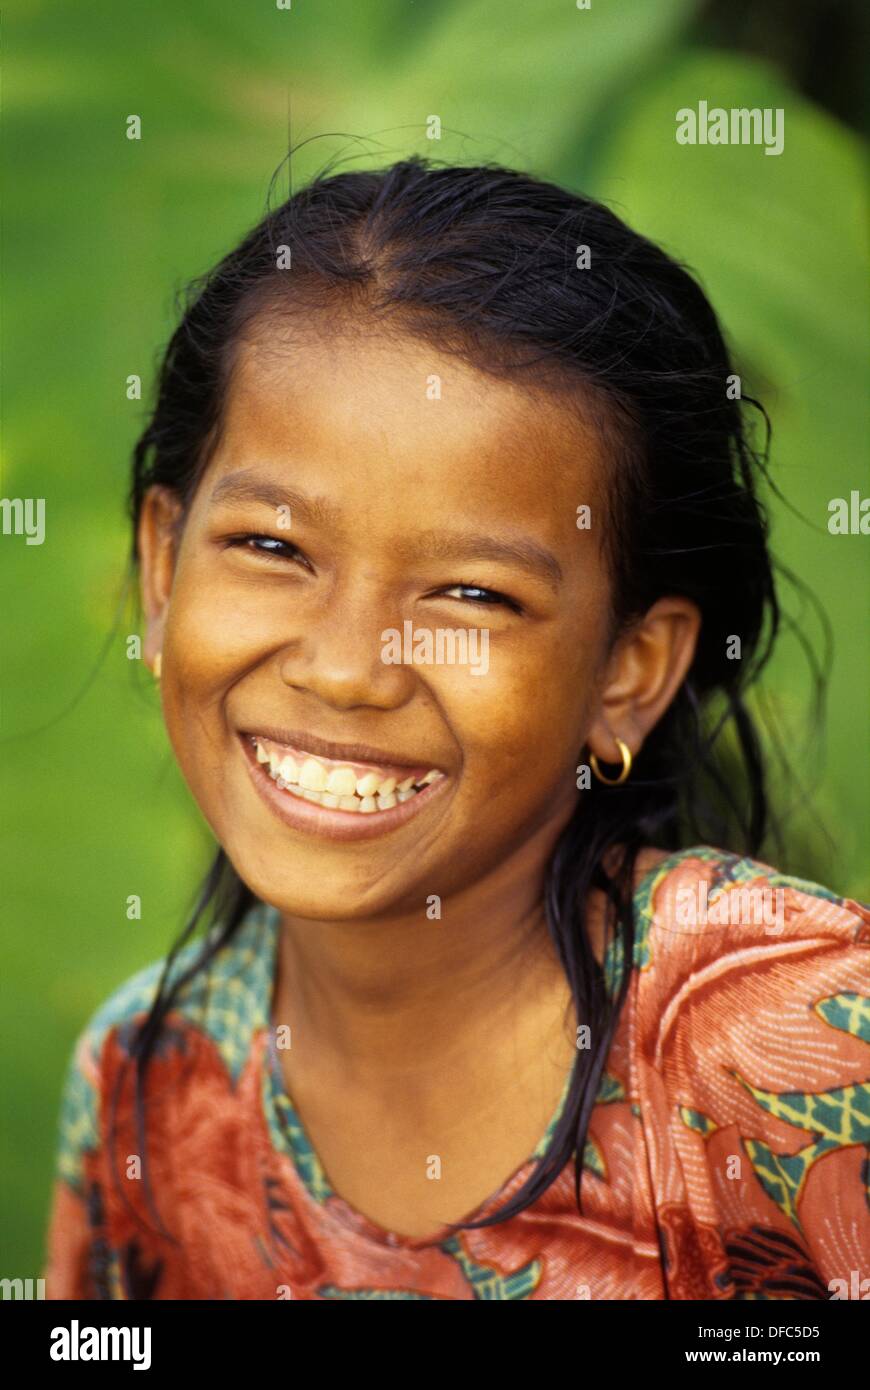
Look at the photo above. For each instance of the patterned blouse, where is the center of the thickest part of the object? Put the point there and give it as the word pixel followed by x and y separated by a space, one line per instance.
pixel 728 1154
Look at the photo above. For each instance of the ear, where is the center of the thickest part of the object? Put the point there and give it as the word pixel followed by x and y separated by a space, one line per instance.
pixel 157 540
pixel 646 668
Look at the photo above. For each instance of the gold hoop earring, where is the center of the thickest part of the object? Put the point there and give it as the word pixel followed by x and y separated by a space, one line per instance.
pixel 625 754
pixel 157 668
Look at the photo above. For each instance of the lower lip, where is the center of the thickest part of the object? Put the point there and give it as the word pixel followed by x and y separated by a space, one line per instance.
pixel 300 814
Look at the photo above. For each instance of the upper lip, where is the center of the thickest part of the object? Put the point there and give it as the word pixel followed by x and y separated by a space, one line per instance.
pixel 337 752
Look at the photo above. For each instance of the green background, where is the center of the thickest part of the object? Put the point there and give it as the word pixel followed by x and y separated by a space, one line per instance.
pixel 99 232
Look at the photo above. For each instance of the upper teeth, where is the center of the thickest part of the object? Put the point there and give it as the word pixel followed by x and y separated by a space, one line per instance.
pixel 338 787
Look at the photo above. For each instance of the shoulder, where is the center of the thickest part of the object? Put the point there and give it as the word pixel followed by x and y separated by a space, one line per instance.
pixel 701 901
pixel 727 900
pixel 131 999
pixel 226 1001
pixel 79 1108
pixel 735 945
pixel 752 1028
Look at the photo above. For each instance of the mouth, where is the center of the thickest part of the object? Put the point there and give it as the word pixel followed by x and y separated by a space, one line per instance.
pixel 339 797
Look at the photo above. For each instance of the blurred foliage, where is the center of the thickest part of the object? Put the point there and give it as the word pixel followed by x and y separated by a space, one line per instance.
pixel 99 232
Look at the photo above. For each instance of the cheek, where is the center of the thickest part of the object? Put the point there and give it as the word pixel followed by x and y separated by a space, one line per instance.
pixel 529 712
pixel 208 645
pixel 214 632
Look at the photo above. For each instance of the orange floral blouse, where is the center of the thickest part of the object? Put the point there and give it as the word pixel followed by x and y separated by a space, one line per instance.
pixel 728 1154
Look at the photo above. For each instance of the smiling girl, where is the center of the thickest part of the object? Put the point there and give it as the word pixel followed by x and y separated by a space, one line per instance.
pixel 490 1002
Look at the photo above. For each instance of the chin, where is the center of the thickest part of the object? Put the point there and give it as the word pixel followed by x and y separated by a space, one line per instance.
pixel 346 899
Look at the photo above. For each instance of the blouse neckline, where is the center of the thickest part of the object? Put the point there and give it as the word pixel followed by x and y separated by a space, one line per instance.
pixel 289 1131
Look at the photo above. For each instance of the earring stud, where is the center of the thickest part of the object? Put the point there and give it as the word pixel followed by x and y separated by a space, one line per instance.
pixel 157 668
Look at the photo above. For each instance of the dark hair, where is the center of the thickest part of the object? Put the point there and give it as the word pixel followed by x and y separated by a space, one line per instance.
pixel 485 262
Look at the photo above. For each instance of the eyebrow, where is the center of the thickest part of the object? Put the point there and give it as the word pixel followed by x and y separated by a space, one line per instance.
pixel 462 545
pixel 247 486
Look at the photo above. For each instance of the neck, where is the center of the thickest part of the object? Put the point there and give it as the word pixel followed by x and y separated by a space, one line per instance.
pixel 378 1000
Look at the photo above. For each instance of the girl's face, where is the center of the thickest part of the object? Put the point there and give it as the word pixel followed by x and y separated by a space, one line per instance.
pixel 362 487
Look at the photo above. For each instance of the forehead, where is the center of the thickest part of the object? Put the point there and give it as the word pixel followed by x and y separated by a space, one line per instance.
pixel 407 420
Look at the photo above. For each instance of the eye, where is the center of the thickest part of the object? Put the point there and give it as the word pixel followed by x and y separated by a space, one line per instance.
pixel 269 546
pixel 486 597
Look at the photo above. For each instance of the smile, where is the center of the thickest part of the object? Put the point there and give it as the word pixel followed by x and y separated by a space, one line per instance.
pixel 342 799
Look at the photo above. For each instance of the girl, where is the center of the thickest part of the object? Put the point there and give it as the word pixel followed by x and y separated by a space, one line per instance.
pixel 469 946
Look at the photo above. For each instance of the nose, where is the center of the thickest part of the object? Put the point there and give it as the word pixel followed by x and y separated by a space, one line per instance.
pixel 337 657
